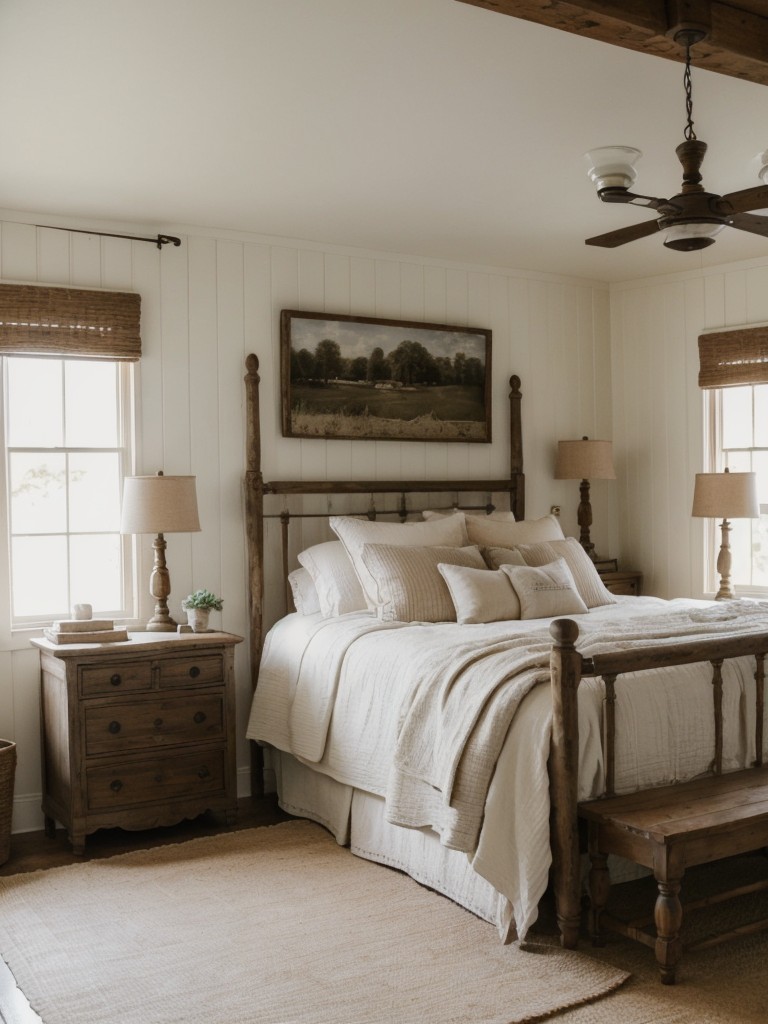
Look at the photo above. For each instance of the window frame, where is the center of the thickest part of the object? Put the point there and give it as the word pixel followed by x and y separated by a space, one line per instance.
pixel 127 386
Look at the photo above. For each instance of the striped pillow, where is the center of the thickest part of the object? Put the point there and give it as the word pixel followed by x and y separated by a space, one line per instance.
pixel 591 588
pixel 408 584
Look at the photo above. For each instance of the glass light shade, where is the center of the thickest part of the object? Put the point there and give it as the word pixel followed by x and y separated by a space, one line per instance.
pixel 612 166
pixel 693 236
pixel 725 496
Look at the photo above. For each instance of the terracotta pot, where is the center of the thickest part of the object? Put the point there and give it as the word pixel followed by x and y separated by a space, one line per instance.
pixel 198 619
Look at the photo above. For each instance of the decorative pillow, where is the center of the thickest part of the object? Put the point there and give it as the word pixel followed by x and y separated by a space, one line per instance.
pixel 480 595
pixel 355 533
pixel 496 557
pixel 409 587
pixel 506 517
pixel 485 531
pixel 588 583
pixel 338 588
pixel 305 599
pixel 545 592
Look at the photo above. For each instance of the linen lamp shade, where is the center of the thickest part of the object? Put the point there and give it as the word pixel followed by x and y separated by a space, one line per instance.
pixel 585 460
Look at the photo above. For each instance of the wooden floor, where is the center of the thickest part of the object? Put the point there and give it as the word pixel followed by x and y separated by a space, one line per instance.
pixel 32 851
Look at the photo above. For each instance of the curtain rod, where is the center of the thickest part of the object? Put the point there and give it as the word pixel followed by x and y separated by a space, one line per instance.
pixel 159 240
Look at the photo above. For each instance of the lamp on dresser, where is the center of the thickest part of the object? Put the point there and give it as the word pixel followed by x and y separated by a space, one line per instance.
pixel 159 504
pixel 725 496
pixel 585 460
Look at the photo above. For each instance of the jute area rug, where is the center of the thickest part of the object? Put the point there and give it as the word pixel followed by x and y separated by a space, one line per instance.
pixel 270 925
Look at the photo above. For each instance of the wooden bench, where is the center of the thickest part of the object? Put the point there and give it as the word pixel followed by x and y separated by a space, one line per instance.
pixel 671 828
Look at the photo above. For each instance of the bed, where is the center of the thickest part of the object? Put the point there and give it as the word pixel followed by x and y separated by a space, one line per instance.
pixel 421 701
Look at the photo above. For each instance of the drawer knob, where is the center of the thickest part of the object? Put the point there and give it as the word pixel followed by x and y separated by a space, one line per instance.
pixel 199 717
pixel 158 722
pixel 203 773
pixel 115 679
pixel 116 785
pixel 194 672
pixel 114 728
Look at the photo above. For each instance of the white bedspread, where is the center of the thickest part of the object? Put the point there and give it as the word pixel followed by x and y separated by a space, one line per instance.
pixel 447 723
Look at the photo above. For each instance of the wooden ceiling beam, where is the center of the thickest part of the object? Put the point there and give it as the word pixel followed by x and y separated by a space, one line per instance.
pixel 736 44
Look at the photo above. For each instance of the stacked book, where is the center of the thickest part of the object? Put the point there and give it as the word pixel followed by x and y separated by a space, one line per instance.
pixel 85 631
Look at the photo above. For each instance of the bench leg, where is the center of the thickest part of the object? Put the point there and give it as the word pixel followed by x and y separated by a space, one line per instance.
pixel 599 887
pixel 668 916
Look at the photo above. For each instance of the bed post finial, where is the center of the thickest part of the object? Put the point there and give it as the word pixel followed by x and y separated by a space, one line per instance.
pixel 565 665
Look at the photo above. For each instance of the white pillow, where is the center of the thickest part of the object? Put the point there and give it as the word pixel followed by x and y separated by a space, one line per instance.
pixel 588 583
pixel 480 595
pixel 334 577
pixel 485 531
pixel 355 533
pixel 305 599
pixel 409 587
pixel 545 592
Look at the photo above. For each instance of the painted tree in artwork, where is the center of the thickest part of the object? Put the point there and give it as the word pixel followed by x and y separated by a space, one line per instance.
pixel 328 362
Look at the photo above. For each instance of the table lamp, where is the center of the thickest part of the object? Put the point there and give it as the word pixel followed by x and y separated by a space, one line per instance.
pixel 725 496
pixel 159 504
pixel 585 460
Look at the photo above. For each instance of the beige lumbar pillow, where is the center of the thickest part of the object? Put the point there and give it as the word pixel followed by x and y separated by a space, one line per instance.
pixel 480 595
pixel 546 591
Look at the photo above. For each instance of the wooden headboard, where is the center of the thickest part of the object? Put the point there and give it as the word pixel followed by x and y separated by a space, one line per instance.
pixel 256 488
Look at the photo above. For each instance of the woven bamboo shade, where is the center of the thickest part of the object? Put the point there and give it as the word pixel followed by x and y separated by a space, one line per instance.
pixel 38 320
pixel 729 358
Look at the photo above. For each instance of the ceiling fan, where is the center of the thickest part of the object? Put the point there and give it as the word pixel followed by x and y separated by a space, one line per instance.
pixel 693 217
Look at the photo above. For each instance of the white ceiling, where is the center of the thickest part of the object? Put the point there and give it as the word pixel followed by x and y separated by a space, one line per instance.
pixel 425 127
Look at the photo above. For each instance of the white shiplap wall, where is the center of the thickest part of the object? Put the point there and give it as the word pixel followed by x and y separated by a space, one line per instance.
pixel 658 412
pixel 208 303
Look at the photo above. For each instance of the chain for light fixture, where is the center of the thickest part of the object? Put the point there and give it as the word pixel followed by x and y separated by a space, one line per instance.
pixel 689 132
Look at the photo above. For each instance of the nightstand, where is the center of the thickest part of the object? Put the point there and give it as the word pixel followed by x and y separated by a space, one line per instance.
pixel 629 582
pixel 137 734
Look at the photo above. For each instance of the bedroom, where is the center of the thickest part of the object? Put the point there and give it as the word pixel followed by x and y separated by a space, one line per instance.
pixel 609 338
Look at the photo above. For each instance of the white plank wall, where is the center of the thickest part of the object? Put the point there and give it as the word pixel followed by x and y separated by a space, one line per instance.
pixel 208 303
pixel 659 413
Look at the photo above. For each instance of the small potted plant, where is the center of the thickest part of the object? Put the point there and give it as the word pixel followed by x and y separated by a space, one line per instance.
pixel 198 607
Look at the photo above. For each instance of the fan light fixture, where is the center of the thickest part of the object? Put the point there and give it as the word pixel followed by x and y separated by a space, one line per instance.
pixel 693 218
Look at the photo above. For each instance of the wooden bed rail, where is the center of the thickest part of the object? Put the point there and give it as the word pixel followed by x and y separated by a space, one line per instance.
pixel 568 667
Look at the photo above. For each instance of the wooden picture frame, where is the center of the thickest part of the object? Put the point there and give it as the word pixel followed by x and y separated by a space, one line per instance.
pixel 364 378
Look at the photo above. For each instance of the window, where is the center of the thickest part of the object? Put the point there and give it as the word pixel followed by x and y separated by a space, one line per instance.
pixel 739 434
pixel 68 446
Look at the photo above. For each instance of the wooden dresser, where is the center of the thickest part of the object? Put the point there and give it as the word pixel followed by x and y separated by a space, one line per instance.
pixel 137 734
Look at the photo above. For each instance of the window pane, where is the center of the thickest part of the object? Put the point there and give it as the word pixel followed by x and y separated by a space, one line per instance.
pixel 96 570
pixel 94 492
pixel 761 415
pixel 760 552
pixel 40 576
pixel 34 403
pixel 737 417
pixel 91 404
pixel 38 496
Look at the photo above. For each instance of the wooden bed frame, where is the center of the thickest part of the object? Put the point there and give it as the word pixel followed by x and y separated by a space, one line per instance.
pixel 568 666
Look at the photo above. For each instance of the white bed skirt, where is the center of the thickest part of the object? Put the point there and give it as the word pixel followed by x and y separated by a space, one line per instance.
pixel 357 820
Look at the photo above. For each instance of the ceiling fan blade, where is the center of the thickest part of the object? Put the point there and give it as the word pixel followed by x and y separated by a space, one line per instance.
pixel 748 199
pixel 750 222
pixel 629 234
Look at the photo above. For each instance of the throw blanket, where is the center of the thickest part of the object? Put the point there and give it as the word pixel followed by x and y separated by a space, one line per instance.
pixel 453 728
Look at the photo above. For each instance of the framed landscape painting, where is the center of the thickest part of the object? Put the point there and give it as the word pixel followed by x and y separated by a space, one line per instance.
pixel 362 378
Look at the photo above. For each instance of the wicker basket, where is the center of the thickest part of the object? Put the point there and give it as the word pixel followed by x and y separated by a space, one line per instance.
pixel 7 775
